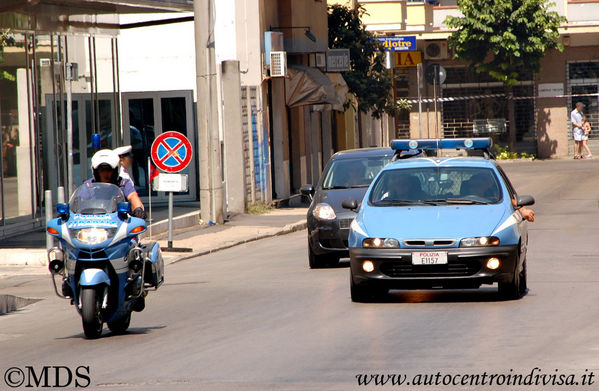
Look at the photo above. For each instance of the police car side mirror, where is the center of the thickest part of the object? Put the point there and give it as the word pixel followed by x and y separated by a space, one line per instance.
pixel 349 204
pixel 525 200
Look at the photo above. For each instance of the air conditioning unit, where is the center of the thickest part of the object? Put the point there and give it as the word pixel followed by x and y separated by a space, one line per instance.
pixel 278 64
pixel 435 50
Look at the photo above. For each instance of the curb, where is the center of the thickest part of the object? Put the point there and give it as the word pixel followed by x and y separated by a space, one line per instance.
pixel 39 257
pixel 289 228
pixel 33 259
pixel 10 303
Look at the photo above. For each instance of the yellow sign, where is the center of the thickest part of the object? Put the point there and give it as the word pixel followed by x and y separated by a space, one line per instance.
pixel 408 59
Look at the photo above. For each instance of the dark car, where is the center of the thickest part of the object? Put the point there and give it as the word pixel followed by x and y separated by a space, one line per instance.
pixel 347 175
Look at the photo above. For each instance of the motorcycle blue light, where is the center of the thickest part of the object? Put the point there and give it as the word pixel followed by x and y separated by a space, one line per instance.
pixel 122 207
pixel 62 209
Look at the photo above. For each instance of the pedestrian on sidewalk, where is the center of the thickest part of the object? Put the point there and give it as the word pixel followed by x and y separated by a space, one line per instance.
pixel 577 131
pixel 586 128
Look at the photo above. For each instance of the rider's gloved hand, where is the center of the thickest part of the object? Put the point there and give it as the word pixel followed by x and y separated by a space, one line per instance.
pixel 139 212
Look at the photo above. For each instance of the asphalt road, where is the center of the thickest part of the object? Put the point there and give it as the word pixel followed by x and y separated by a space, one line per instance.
pixel 255 317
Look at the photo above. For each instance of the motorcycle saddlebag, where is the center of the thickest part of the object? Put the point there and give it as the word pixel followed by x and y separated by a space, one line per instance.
pixel 154 273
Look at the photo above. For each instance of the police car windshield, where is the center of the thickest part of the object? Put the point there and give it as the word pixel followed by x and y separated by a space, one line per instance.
pixel 353 173
pixel 435 186
pixel 96 198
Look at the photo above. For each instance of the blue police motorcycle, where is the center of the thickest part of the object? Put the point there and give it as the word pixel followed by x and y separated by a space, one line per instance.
pixel 106 272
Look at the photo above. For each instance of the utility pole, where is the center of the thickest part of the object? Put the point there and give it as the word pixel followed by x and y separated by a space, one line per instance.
pixel 211 188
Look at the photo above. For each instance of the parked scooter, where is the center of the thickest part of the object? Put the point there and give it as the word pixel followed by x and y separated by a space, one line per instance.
pixel 106 272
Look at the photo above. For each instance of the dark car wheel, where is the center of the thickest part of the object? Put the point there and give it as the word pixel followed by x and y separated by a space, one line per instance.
pixel 517 287
pixel 318 261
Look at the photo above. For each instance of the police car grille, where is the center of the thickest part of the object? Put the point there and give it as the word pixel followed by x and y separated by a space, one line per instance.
pixel 452 269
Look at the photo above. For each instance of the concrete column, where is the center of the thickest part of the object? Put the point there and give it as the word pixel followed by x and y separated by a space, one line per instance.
pixel 316 145
pixel 307 129
pixel 327 140
pixel 233 136
pixel 280 138
pixel 211 197
pixel 24 172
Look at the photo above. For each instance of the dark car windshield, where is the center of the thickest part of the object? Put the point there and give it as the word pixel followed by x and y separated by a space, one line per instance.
pixel 353 173
pixel 436 186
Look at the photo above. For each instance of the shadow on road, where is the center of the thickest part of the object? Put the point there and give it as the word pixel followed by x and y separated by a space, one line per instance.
pixel 481 295
pixel 108 334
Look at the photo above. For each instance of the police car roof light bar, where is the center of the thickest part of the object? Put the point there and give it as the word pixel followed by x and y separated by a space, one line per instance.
pixel 481 143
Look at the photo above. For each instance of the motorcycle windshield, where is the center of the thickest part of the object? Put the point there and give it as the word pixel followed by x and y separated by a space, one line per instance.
pixel 93 198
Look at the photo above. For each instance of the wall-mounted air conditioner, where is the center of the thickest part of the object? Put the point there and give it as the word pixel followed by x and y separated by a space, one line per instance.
pixel 278 64
pixel 435 50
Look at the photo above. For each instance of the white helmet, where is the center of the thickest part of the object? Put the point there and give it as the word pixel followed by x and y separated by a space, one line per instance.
pixel 106 157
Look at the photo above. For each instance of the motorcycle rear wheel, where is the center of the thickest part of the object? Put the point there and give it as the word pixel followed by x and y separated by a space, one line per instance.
pixel 91 314
pixel 121 325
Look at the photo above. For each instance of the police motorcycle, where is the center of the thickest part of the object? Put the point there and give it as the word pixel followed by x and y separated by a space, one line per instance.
pixel 105 271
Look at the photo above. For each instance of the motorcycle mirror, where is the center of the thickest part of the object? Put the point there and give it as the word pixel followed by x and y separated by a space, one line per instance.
pixel 63 210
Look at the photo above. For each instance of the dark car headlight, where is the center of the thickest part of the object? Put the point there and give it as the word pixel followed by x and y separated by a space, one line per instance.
pixel 481 241
pixel 324 211
pixel 380 243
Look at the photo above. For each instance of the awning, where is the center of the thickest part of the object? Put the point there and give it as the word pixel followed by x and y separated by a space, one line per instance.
pixel 309 86
pixel 94 7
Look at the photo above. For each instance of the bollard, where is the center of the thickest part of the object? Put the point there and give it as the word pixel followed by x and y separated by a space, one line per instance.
pixel 48 208
pixel 60 195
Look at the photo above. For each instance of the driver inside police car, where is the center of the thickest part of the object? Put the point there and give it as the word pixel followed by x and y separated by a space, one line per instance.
pixel 105 168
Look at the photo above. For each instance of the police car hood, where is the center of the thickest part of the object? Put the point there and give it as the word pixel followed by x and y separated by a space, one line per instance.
pixel 423 222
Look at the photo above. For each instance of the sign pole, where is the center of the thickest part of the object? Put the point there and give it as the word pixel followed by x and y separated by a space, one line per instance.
pixel 171 152
pixel 419 77
pixel 150 194
pixel 170 219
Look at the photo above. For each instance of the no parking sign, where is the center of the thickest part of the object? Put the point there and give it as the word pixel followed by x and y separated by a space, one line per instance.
pixel 171 151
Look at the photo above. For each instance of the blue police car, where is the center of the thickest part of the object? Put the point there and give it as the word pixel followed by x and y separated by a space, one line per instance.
pixel 439 222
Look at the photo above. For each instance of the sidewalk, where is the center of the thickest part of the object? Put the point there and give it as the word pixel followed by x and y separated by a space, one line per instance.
pixel 27 254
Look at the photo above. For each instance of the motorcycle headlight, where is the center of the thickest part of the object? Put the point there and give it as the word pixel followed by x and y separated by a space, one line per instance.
pixel 380 243
pixel 92 235
pixel 324 212
pixel 481 241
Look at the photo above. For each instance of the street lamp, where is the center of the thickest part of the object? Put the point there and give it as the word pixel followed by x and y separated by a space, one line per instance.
pixel 307 33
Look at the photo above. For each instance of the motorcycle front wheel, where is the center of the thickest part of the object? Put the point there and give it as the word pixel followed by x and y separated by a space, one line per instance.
pixel 91 314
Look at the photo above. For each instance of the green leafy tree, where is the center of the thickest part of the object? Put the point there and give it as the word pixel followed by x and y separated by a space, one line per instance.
pixel 505 38
pixel 4 40
pixel 368 79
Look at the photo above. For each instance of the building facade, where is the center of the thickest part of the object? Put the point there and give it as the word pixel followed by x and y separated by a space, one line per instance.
pixel 475 105
pixel 53 50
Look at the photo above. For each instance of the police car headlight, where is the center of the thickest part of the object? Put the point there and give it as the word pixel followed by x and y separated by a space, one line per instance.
pixel 92 235
pixel 380 243
pixel 324 212
pixel 482 241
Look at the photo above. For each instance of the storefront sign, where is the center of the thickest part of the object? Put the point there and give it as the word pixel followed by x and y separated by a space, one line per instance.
pixel 408 59
pixel 338 60
pixel 398 44
pixel 547 90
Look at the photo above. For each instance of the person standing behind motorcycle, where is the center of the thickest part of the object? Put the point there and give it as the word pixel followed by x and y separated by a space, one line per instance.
pixel 126 158
pixel 105 168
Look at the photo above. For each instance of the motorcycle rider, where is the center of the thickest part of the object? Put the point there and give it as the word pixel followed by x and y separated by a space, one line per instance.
pixel 105 168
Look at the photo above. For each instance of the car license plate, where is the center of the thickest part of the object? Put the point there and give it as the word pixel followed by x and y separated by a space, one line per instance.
pixel 429 258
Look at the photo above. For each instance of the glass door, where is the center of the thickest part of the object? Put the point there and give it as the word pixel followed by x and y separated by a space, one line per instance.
pixel 145 116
